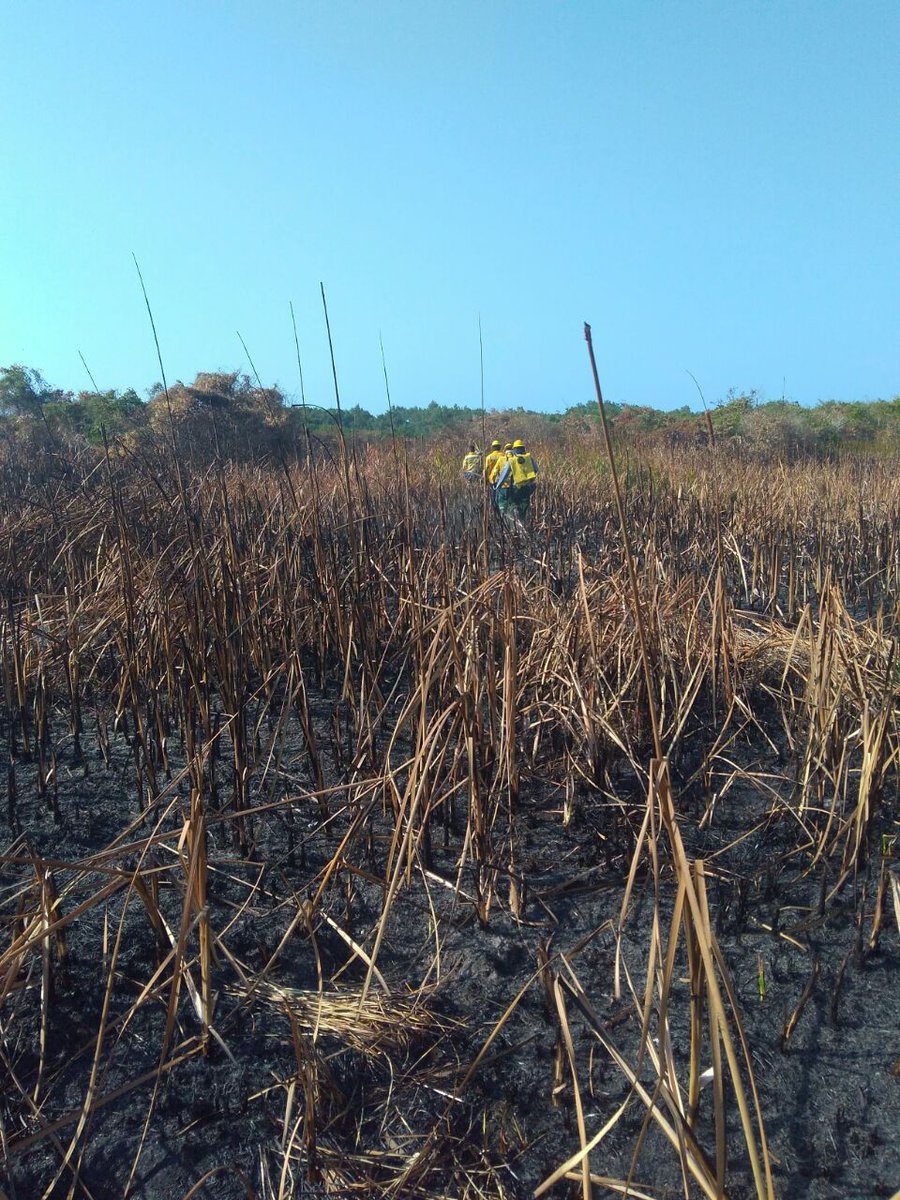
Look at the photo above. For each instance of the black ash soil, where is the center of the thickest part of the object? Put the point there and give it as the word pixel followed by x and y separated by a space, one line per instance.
pixel 830 1097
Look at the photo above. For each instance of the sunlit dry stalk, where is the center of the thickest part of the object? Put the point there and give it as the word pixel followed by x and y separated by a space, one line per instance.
pixel 629 558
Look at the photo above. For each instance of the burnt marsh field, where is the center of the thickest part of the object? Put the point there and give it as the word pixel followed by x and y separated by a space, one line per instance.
pixel 359 844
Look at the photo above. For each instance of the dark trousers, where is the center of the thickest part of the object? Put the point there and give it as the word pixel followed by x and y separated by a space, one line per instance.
pixel 520 498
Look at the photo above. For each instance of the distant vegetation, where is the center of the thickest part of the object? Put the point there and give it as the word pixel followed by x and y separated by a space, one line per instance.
pixel 227 413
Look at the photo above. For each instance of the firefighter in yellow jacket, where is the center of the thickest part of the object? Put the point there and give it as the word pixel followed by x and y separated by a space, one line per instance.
pixel 471 464
pixel 500 494
pixel 493 457
pixel 519 475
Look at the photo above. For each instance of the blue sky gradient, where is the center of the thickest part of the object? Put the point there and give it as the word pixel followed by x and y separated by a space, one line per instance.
pixel 714 186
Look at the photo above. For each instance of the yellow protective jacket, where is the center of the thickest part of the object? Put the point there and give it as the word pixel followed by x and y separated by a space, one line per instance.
pixel 472 461
pixel 521 468
pixel 494 458
pixel 498 467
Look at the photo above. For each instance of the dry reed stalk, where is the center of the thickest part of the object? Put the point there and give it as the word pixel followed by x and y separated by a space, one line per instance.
pixel 586 1188
pixel 629 558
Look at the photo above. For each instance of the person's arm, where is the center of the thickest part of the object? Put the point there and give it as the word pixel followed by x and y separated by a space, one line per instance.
pixel 502 476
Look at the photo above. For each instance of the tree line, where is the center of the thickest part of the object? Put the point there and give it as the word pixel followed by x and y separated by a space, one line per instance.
pixel 229 414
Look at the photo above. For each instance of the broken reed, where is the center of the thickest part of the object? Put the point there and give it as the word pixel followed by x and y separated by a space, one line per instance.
pixel 194 630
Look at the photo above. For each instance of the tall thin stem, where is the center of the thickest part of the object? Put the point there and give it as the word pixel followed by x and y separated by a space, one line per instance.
pixel 629 557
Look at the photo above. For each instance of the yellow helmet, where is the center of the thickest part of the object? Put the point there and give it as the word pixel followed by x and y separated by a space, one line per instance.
pixel 507 446
pixel 495 445
pixel 518 444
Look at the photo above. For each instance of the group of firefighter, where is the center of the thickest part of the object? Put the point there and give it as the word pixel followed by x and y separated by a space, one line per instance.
pixel 511 473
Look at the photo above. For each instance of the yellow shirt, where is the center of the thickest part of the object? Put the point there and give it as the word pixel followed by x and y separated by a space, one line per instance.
pixel 490 462
pixel 498 467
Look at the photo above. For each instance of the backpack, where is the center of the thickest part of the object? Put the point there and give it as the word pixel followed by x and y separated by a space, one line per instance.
pixel 522 469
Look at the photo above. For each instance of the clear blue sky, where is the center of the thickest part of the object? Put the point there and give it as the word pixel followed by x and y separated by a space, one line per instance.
pixel 713 185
